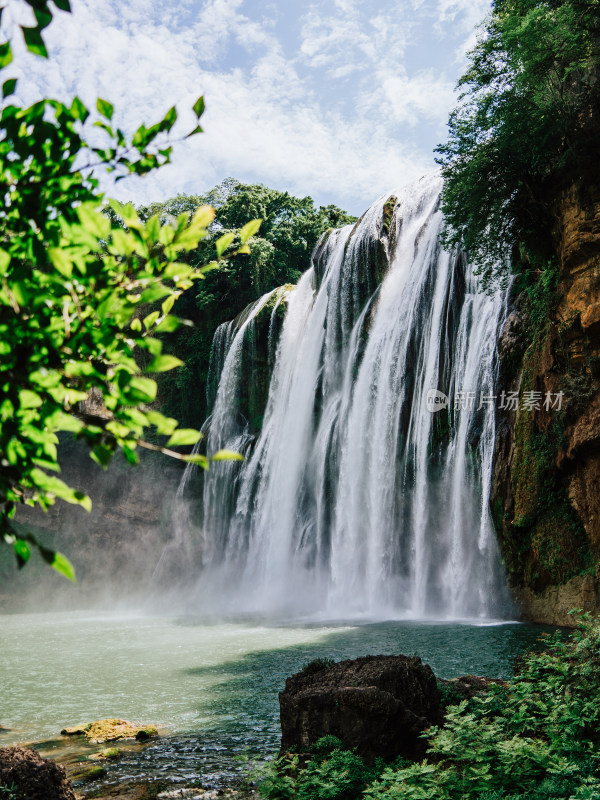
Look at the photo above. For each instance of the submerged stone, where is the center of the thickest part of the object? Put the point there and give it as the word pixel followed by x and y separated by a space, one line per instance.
pixel 88 774
pixel 110 753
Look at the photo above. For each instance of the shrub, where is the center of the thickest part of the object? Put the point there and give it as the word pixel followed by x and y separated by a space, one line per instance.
pixel 316 665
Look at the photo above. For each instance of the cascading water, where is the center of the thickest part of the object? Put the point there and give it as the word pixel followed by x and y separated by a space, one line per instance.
pixel 356 499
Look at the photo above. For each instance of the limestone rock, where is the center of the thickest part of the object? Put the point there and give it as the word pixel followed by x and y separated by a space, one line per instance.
pixel 33 777
pixel 546 484
pixel 111 730
pixel 376 704
pixel 552 605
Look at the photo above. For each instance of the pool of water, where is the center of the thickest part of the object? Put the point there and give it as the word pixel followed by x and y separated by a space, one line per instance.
pixel 213 687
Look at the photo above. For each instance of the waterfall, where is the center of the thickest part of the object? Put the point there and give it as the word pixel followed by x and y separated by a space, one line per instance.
pixel 356 498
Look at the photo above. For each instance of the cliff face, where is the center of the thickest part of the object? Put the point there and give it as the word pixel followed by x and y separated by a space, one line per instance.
pixel 114 549
pixel 546 493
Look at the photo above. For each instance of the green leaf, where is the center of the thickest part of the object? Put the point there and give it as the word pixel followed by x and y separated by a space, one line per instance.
pixel 142 390
pixel 199 107
pixel 223 243
pixel 62 565
pixel 227 455
pixel 93 220
pixel 164 425
pixel 164 364
pixel 203 216
pixel 197 129
pixel 34 42
pixel 57 487
pixel 64 5
pixel 169 324
pixel 167 304
pixel 78 110
pixel 5 54
pixel 151 319
pixel 170 118
pixel 105 108
pixel 250 229
pixel 8 87
pixel 4 261
pixel 43 16
pixel 29 399
pixel 61 261
pixel 196 458
pixel 22 552
pixel 184 436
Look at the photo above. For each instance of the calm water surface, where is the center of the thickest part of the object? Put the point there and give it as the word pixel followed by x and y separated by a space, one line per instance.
pixel 212 686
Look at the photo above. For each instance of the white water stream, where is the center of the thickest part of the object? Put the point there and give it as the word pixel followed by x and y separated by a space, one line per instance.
pixel 356 499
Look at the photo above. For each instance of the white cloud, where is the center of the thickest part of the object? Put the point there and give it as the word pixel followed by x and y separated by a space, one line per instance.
pixel 340 118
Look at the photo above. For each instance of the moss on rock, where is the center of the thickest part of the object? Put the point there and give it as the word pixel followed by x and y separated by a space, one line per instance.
pixel 110 730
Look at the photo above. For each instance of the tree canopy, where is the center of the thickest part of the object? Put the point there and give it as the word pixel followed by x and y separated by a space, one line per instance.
pixel 75 284
pixel 280 253
pixel 526 124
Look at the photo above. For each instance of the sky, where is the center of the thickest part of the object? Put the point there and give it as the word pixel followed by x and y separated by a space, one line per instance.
pixel 341 100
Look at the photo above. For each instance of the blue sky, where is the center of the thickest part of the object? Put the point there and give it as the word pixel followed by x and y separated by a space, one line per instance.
pixel 339 99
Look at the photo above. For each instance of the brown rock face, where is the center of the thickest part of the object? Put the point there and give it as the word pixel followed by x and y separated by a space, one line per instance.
pixel 552 605
pixel 376 704
pixel 33 777
pixel 546 491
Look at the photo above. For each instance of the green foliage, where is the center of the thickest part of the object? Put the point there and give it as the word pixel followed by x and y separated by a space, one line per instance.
pixel 280 253
pixel 316 665
pixel 331 773
pixel 543 298
pixel 74 286
pixel 546 542
pixel 527 121
pixel 8 792
pixel 535 738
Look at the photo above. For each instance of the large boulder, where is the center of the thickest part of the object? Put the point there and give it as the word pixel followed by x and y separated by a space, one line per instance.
pixel 33 777
pixel 378 705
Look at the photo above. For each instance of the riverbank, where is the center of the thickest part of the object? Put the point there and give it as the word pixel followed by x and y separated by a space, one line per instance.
pixel 89 768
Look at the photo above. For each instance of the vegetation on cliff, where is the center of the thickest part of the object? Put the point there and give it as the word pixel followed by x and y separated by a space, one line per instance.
pixel 535 737
pixel 281 251
pixel 527 120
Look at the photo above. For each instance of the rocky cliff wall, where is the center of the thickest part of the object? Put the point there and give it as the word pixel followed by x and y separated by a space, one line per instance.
pixel 546 492
pixel 114 549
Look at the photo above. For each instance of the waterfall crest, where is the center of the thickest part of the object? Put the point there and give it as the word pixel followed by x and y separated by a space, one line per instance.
pixel 355 499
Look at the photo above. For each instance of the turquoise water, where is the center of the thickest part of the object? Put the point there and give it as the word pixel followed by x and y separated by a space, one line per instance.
pixel 212 687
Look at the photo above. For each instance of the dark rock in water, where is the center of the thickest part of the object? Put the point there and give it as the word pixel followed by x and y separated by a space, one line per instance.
pixel 376 704
pixel 33 777
pixel 455 690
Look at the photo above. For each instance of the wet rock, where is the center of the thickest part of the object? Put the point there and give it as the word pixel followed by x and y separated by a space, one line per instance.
pixel 88 774
pixel 378 705
pixel 111 730
pixel 554 604
pixel 33 777
pixel 110 753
